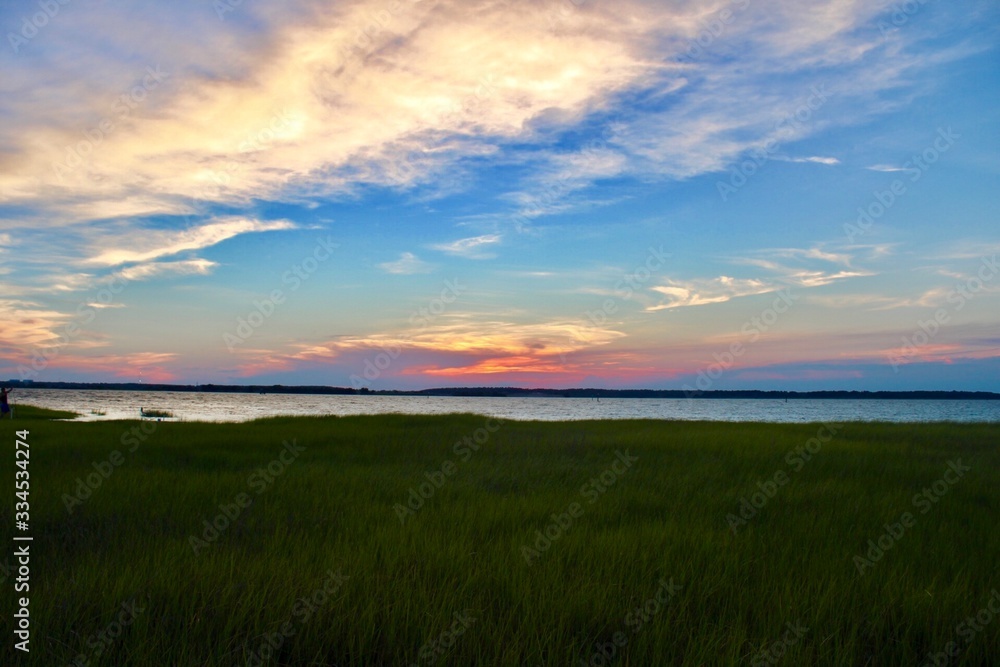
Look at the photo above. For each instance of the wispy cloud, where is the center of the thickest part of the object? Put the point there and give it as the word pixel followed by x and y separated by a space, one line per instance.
pixel 28 323
pixel 407 264
pixel 785 267
pixel 153 244
pixel 816 159
pixel 67 282
pixel 967 249
pixel 815 252
pixel 810 267
pixel 149 366
pixel 99 306
pixel 470 248
pixel 464 333
pixel 416 103
pixel 806 278
pixel 887 168
pixel 712 290
pixel 155 269
pixel 412 103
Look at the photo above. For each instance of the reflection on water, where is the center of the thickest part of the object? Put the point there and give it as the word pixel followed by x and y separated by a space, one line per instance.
pixel 205 406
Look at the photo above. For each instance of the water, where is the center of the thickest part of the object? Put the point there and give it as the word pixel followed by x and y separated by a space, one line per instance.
pixel 223 407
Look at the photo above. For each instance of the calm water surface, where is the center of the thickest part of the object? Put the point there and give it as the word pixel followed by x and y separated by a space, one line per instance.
pixel 204 406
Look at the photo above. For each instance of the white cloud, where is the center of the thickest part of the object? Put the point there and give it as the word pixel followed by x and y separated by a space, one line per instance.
pixel 155 269
pixel 470 248
pixel 816 159
pixel 469 333
pixel 436 87
pixel 309 110
pixel 811 267
pixel 435 82
pixel 887 168
pixel 815 252
pixel 971 249
pixel 407 264
pixel 67 282
pixel 713 290
pixel 786 267
pixel 152 244
pixel 806 278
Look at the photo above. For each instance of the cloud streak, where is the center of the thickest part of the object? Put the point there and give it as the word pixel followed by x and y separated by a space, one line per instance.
pixel 201 267
pixel 153 244
pixel 470 248
pixel 786 267
pixel 702 292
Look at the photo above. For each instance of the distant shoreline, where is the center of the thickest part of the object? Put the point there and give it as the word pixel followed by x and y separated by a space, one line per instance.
pixel 512 392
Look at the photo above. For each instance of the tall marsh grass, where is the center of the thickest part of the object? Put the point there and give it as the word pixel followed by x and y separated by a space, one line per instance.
pixel 319 557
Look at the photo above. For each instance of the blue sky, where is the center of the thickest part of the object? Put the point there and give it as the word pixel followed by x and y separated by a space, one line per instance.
pixel 405 194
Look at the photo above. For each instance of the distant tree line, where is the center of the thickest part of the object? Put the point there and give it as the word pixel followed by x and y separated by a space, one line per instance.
pixel 510 392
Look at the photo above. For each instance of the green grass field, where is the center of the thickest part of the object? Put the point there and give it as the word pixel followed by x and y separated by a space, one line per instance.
pixel 315 558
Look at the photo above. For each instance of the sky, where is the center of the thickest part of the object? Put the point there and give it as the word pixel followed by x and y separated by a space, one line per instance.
pixel 567 193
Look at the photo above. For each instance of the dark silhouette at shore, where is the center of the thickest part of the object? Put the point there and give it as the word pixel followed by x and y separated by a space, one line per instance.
pixel 515 392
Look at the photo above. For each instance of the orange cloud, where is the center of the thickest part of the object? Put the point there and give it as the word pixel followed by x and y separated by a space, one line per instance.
pixel 494 365
pixel 487 337
pixel 133 367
